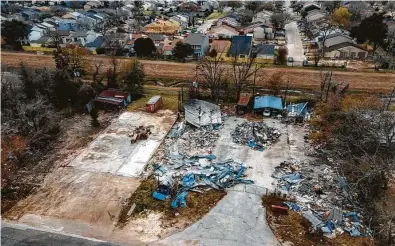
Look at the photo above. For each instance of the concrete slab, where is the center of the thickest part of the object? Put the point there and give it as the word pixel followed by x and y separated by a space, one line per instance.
pixel 75 201
pixel 112 151
pixel 238 219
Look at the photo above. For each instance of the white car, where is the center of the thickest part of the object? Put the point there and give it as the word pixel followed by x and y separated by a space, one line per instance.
pixel 266 113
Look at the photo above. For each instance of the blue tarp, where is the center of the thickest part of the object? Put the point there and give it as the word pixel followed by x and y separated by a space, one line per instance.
pixel 300 109
pixel 268 102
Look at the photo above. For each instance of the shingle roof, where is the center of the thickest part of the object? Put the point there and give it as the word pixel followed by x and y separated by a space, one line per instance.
pixel 265 49
pixel 240 45
pixel 195 39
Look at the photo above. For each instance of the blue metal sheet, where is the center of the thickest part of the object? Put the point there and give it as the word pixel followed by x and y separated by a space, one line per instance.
pixel 300 109
pixel 268 102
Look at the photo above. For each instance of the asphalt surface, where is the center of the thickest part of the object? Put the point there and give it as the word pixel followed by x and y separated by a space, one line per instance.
pixel 294 41
pixel 24 236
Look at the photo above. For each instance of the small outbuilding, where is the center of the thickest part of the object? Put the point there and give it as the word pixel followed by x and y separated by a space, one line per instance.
pixel 114 97
pixel 272 103
pixel 245 103
pixel 297 111
pixel 153 104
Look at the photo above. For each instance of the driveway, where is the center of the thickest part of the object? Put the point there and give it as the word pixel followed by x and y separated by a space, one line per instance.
pixel 205 26
pixel 294 41
pixel 239 218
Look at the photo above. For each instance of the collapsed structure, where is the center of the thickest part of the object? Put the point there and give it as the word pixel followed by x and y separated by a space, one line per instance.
pixel 255 134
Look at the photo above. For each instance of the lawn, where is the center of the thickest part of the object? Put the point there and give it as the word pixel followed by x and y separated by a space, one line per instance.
pixel 169 101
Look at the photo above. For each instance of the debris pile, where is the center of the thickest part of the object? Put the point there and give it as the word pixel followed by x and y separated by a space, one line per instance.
pixel 196 173
pixel 257 135
pixel 195 141
pixel 140 133
pixel 320 193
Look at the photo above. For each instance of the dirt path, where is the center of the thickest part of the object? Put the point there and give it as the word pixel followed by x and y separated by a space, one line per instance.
pixel 299 78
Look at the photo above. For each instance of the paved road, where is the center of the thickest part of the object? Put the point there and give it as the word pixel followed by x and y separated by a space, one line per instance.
pixel 205 26
pixel 17 235
pixel 238 219
pixel 294 41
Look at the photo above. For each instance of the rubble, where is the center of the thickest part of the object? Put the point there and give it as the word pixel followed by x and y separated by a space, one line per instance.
pixel 198 174
pixel 140 133
pixel 257 135
pixel 320 194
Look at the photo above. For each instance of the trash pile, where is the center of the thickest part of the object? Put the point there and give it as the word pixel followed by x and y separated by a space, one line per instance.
pixel 319 193
pixel 195 141
pixel 195 173
pixel 256 135
pixel 140 133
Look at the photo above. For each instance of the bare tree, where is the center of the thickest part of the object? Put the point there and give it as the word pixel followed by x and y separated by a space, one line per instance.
pixel 243 70
pixel 213 72
pixel 325 30
pixel 97 71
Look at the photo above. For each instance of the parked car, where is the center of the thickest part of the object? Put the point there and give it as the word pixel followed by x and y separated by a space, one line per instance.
pixel 266 113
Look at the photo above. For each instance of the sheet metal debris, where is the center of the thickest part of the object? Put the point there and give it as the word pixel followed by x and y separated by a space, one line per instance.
pixel 198 173
pixel 256 135
pixel 321 197
pixel 201 113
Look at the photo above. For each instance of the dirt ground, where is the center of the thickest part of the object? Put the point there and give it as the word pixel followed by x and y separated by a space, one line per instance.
pixel 83 195
pixel 300 78
pixel 293 229
pixel 20 181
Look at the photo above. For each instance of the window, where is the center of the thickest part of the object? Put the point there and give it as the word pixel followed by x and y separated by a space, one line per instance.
pixel 242 56
pixel 353 54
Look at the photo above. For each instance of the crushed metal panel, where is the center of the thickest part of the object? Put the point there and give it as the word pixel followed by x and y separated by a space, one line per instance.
pixel 201 113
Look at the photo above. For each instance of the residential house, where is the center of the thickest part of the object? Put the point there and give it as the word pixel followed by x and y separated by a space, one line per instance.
pixel 315 16
pixel 30 15
pixel 199 43
pixel 36 32
pixel 221 46
pixel 259 34
pixel 223 31
pixel 339 45
pixel 232 22
pixel 241 46
pixel 158 39
pixel 161 27
pixel 182 20
pixel 169 46
pixel 264 51
pixel 78 38
pixel 92 4
pixel 310 6
pixel 43 41
pixel 263 17
pixel 345 50
pixel 119 40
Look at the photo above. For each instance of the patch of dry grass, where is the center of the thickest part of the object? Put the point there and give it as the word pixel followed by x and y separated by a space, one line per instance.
pixel 198 204
pixel 169 102
pixel 294 228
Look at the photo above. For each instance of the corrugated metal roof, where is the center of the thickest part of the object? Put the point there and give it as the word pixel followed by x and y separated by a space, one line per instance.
pixel 201 113
pixel 298 109
pixel 268 102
